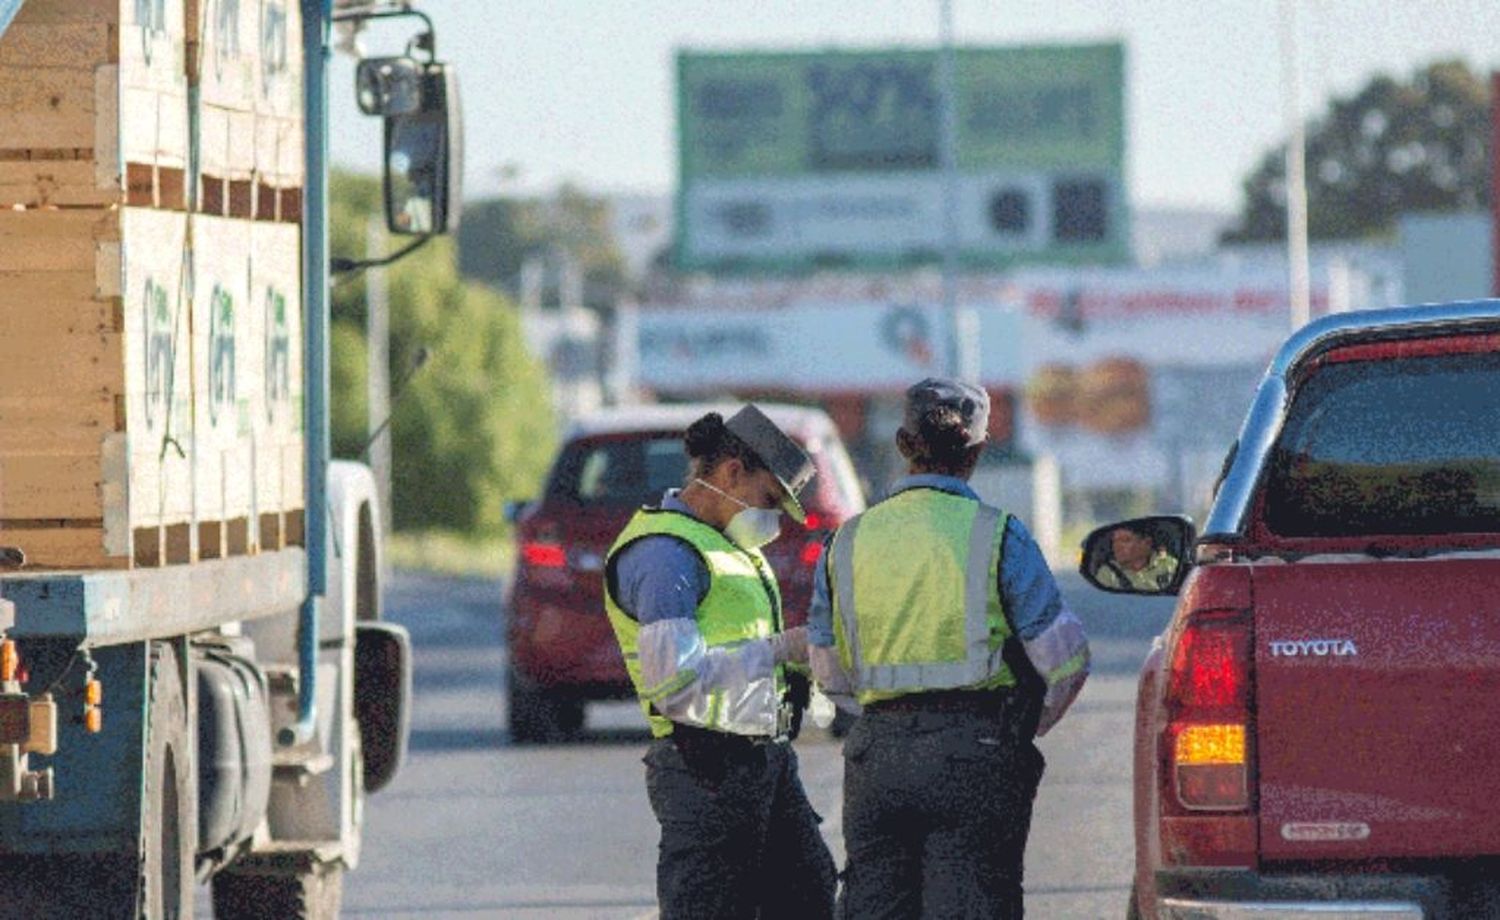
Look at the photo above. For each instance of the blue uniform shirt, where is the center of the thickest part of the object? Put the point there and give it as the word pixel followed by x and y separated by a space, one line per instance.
pixel 661 577
pixel 1027 589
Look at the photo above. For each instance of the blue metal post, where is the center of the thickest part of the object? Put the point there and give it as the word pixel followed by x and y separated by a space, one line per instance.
pixel 8 11
pixel 316 18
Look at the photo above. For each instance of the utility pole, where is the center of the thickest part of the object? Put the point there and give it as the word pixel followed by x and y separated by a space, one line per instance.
pixel 1298 283
pixel 962 324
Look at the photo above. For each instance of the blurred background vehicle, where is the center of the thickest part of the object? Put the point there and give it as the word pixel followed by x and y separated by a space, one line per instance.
pixel 562 651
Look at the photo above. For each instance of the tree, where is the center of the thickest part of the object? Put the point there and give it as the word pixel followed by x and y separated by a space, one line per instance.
pixel 500 234
pixel 1389 149
pixel 475 427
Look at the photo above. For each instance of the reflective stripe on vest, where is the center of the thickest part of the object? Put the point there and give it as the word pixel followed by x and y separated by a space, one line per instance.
pixel 875 625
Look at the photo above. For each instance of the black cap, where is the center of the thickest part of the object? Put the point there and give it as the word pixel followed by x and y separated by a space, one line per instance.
pixel 787 461
pixel 970 402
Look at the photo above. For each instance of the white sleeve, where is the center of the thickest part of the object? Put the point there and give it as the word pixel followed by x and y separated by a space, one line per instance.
pixel 832 679
pixel 729 688
pixel 1060 654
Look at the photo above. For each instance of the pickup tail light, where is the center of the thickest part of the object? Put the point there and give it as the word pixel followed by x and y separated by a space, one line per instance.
pixel 1208 707
pixel 544 555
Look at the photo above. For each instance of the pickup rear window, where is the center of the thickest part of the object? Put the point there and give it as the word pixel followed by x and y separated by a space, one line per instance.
pixel 1390 447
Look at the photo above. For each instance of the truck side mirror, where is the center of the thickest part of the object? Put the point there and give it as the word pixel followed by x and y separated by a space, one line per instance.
pixel 424 158
pixel 1149 555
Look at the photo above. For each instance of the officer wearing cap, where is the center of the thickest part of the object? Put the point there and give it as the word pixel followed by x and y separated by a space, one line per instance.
pixel 938 615
pixel 697 612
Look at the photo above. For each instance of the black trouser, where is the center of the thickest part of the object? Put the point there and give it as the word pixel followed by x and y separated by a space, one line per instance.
pixel 937 807
pixel 738 835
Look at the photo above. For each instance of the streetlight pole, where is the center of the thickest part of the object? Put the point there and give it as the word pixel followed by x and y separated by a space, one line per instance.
pixel 1298 283
pixel 962 324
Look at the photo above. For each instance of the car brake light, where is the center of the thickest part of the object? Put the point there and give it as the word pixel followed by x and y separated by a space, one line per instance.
pixel 1208 705
pixel 813 521
pixel 544 555
pixel 812 551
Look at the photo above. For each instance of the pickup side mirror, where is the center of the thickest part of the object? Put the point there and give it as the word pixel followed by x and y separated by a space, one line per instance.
pixel 1148 556
pixel 423 148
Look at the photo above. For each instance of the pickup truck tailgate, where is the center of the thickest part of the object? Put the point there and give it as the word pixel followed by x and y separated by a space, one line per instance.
pixel 1378 708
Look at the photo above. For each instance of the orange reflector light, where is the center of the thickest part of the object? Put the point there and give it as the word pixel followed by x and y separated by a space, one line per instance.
pixel 93 693
pixel 10 660
pixel 1210 744
pixel 93 721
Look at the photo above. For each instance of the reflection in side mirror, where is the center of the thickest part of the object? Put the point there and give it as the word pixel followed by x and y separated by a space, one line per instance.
pixel 1148 555
pixel 424 158
pixel 388 86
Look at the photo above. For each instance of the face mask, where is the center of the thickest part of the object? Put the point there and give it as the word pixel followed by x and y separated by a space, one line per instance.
pixel 752 527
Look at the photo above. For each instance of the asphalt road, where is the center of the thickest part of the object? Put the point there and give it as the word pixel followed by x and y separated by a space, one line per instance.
pixel 474 827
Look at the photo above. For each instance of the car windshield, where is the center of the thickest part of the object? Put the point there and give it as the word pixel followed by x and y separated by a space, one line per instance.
pixel 1403 446
pixel 619 471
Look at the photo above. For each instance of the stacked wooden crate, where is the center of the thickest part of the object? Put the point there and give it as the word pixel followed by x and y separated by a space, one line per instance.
pixel 150 280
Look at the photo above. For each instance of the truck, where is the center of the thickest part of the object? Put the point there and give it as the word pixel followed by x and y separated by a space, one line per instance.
pixel 196 682
pixel 1315 733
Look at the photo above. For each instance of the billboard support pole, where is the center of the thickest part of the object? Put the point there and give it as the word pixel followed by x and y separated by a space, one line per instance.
pixel 1495 182
pixel 1298 282
pixel 961 334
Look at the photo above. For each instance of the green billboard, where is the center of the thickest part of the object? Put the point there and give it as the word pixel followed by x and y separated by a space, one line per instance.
pixel 796 159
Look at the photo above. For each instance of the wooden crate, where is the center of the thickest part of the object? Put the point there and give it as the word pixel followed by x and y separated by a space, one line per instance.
pixel 275 380
pixel 150 308
pixel 128 91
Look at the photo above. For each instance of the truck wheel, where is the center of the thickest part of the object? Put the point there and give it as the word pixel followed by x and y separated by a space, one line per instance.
pixel 67 887
pixel 536 716
pixel 170 828
pixel 314 895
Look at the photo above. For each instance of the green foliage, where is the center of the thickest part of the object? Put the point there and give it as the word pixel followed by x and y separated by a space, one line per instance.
pixel 475 427
pixel 1389 149
pixel 499 234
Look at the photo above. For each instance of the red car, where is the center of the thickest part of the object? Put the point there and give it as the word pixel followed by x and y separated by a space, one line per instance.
pixel 1317 731
pixel 563 652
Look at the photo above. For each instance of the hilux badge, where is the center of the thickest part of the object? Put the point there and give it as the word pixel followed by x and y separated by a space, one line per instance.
pixel 1308 648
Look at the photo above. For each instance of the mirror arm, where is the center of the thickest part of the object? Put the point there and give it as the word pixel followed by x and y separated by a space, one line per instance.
pixel 417 360
pixel 340 266
pixel 392 9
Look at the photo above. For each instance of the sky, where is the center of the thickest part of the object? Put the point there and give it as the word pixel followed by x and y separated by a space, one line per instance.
pixel 583 90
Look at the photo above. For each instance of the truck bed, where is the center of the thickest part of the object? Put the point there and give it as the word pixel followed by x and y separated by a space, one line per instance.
pixel 110 607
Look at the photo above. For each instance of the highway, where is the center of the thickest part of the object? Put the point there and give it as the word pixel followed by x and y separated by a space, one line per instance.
pixel 475 827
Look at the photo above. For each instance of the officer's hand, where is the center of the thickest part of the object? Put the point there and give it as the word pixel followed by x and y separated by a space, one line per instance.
pixel 790 645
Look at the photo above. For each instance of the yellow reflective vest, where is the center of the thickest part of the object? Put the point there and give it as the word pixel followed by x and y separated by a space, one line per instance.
pixel 916 600
pixel 743 602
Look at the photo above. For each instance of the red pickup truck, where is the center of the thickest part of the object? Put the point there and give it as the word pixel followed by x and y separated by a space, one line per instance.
pixel 1318 728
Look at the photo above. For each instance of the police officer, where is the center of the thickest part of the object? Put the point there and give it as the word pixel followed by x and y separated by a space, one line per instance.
pixel 938 614
pixel 697 612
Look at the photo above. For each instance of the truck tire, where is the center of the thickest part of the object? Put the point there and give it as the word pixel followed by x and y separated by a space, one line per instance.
pixel 169 829
pixel 314 895
pixel 536 716
pixel 1133 910
pixel 69 886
